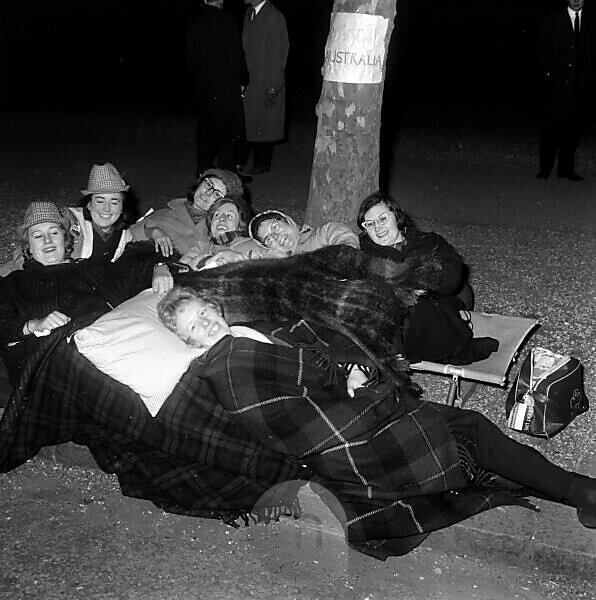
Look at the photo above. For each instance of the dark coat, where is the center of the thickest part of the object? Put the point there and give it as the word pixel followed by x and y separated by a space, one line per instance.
pixel 266 45
pixel 421 244
pixel 434 329
pixel 568 70
pixel 216 64
pixel 82 290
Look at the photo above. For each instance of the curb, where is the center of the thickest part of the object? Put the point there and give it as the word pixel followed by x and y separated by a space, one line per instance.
pixel 478 537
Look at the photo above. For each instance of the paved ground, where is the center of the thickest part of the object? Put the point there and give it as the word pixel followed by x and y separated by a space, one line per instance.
pixel 67 532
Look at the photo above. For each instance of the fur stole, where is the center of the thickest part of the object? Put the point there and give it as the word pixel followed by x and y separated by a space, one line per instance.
pixel 363 297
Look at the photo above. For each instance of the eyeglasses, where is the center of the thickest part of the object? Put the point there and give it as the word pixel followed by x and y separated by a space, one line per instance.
pixel 371 224
pixel 275 229
pixel 211 190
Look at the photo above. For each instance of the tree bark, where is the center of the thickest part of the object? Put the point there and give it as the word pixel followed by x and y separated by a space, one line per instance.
pixel 346 155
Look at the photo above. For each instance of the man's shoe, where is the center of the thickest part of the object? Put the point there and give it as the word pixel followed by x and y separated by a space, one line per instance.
pixel 587 518
pixel 570 176
pixel 542 175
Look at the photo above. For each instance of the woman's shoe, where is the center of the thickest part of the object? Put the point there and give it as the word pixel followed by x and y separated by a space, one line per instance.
pixel 587 518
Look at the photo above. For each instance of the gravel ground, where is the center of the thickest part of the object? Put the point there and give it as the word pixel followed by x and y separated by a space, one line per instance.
pixel 546 274
pixel 515 270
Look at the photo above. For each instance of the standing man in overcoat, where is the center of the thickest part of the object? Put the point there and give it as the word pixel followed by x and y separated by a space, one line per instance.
pixel 218 70
pixel 566 55
pixel 266 46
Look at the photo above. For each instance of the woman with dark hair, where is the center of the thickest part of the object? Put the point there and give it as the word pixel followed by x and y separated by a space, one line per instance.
pixel 434 329
pixel 104 221
pixel 184 219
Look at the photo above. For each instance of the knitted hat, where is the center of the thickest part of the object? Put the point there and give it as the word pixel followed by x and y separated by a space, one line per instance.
pixel 38 212
pixel 105 179
pixel 228 178
pixel 255 223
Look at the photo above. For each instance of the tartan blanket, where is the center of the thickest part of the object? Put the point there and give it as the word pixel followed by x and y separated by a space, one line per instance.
pixel 249 422
pixel 245 427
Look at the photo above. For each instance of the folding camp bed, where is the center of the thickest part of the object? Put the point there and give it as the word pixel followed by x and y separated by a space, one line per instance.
pixel 510 331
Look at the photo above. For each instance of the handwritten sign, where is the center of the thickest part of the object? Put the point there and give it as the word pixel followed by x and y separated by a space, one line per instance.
pixel 355 50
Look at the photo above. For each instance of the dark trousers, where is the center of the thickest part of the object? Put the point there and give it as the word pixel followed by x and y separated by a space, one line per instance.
pixel 262 154
pixel 502 455
pixel 559 137
pixel 212 151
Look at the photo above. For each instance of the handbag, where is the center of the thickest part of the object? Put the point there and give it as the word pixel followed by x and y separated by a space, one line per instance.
pixel 546 395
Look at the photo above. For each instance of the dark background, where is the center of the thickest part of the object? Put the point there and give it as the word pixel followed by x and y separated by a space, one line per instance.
pixel 92 53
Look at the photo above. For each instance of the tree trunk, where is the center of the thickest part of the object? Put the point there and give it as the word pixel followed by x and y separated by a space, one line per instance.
pixel 346 155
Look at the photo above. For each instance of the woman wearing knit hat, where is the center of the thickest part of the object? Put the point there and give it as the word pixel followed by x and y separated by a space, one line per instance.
pixel 184 219
pixel 279 233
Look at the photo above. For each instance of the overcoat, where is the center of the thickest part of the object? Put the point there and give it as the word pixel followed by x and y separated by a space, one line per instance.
pixel 176 222
pixel 218 70
pixel 568 69
pixel 266 45
pixel 434 329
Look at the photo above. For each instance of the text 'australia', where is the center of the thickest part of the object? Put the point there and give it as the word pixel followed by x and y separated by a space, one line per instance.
pixel 352 59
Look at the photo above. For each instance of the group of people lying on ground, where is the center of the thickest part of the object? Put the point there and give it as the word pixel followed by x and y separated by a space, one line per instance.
pixel 214 226
pixel 77 264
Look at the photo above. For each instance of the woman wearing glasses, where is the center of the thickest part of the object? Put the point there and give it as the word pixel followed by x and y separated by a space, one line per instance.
pixel 282 236
pixel 434 329
pixel 184 219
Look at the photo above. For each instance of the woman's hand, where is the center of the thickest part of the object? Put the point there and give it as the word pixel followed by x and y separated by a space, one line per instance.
pixel 163 242
pixel 223 258
pixel 356 379
pixel 42 327
pixel 162 279
pixel 193 260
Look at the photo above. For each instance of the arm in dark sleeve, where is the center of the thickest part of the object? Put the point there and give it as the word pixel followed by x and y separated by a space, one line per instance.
pixel 11 324
pixel 451 267
pixel 545 46
pixel 235 51
pixel 134 269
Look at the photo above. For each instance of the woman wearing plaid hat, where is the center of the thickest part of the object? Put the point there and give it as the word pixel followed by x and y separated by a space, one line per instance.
pixel 53 291
pixel 102 224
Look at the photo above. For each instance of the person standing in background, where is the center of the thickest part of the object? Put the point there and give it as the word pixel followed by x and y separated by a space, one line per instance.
pixel 566 55
pixel 265 42
pixel 216 64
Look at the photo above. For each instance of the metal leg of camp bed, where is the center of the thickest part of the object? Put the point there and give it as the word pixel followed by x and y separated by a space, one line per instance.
pixel 454 395
pixel 468 393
